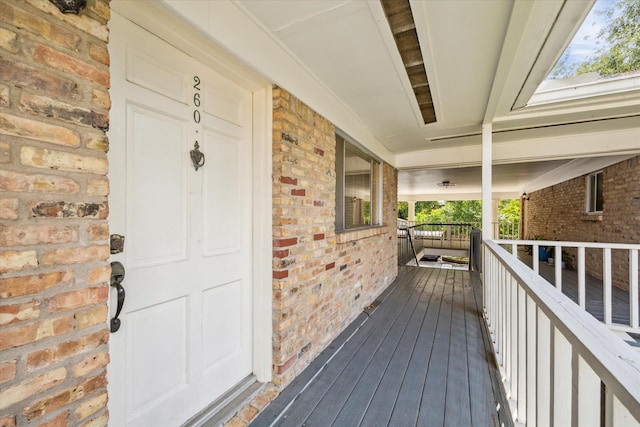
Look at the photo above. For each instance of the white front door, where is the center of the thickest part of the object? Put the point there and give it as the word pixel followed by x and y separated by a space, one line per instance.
pixel 185 335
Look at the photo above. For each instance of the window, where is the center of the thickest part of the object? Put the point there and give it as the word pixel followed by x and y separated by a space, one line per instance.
pixel 594 192
pixel 358 187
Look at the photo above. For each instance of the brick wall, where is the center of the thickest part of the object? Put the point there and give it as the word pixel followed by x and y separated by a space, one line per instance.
pixel 321 280
pixel 54 102
pixel 558 213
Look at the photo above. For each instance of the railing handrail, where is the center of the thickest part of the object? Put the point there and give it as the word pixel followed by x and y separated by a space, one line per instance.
pixel 565 244
pixel 615 362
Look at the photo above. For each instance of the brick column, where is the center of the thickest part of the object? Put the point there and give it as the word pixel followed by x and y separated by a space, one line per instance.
pixel 54 103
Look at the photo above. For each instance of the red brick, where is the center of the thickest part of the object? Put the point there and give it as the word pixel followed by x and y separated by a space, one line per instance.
pixel 63 350
pixel 81 21
pixel 90 364
pixel 17 336
pixel 99 53
pixel 62 111
pixel 35 79
pixel 99 275
pixel 98 187
pixel 5 147
pixel 281 368
pixel 28 285
pixel 68 64
pixel 18 392
pixel 18 312
pixel 8 371
pixel 298 192
pixel 91 406
pixel 318 151
pixel 36 234
pixel 319 236
pixel 13 181
pixel 9 208
pixel 281 253
pixel 61 420
pixel 17 260
pixel 280 274
pixel 330 266
pixel 288 180
pixel 69 210
pixel 9 40
pixel 76 255
pixel 318 203
pixel 92 316
pixel 33 129
pixel 62 160
pixel 56 401
pixel 40 27
pixel 285 242
pixel 77 298
pixel 98 232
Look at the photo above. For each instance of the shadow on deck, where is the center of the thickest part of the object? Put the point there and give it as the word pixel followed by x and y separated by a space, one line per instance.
pixel 421 356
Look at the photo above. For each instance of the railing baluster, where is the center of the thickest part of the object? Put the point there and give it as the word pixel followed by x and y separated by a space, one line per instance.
pixel 561 379
pixel 532 362
pixel 588 395
pixel 582 293
pixel 606 279
pixel 536 258
pixel 633 288
pixel 557 256
pixel 545 392
pixel 522 355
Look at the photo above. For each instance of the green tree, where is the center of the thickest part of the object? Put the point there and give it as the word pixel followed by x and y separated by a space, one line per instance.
pixel 509 210
pixel 403 210
pixel 621 52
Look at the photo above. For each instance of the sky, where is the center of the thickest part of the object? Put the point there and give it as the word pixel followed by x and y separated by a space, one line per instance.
pixel 584 43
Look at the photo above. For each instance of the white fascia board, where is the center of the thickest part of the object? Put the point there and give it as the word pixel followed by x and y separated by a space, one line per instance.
pixel 577 145
pixel 570 170
pixel 231 26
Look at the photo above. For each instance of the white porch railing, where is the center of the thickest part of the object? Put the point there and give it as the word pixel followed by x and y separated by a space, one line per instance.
pixel 560 366
pixel 607 274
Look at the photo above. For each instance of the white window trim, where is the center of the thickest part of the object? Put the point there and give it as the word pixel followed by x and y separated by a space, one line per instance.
pixel 591 195
pixel 376 186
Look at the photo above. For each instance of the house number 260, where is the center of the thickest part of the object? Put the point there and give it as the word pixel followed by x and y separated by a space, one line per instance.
pixel 197 157
pixel 196 99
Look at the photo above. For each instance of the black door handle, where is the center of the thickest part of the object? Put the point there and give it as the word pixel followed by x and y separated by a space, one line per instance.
pixel 117 276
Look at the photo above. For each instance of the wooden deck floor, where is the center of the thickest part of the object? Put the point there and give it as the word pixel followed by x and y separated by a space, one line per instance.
pixel 421 357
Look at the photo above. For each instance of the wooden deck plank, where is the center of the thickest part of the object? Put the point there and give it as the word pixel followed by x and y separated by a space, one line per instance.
pixel 343 361
pixel 419 359
pixel 479 358
pixel 393 358
pixel 457 404
pixel 405 409
pixel 432 407
pixel 365 366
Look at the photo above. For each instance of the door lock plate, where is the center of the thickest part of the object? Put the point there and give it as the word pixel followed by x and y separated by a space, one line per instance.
pixel 116 244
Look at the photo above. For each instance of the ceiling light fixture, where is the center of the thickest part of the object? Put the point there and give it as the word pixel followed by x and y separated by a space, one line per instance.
pixel 446 184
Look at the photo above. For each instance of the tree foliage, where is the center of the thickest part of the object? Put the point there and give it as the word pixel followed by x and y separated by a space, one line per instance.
pixel 618 41
pixel 621 52
pixel 459 211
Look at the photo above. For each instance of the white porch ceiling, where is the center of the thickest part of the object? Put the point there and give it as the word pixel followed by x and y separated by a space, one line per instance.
pixel 482 57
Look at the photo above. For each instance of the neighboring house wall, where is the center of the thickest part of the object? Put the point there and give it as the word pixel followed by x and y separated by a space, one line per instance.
pixel 322 279
pixel 558 213
pixel 54 102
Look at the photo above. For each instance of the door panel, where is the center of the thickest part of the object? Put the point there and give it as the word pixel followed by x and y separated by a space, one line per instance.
pixel 185 337
pixel 154 141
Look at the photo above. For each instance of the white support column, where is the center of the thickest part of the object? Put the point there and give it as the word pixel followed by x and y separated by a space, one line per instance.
pixel 412 212
pixel 487 202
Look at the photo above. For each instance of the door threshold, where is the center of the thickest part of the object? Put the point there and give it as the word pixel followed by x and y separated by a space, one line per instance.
pixel 221 411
